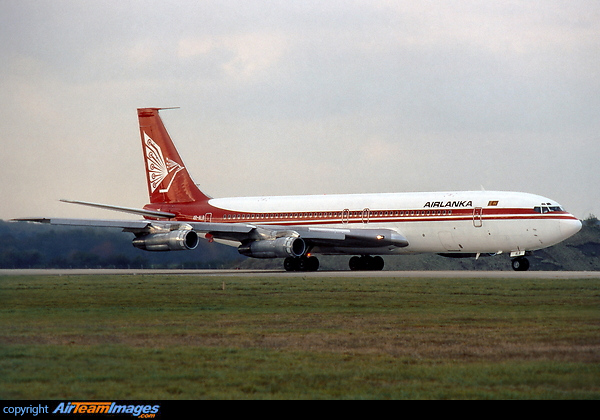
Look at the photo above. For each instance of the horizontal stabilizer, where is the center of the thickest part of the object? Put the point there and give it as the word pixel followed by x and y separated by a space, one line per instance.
pixel 142 212
pixel 125 224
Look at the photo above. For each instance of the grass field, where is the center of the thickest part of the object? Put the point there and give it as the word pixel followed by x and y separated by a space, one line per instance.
pixel 188 337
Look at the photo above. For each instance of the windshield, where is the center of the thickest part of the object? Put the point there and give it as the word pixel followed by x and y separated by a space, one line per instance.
pixel 546 208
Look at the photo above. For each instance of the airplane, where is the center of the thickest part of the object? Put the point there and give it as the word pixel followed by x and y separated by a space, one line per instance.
pixel 456 224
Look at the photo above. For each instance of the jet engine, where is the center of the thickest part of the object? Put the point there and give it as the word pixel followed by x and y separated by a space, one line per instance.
pixel 286 246
pixel 176 240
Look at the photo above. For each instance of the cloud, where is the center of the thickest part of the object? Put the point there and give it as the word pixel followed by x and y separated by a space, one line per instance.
pixel 240 56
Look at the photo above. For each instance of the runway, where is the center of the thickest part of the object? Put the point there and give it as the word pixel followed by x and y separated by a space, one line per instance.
pixel 315 274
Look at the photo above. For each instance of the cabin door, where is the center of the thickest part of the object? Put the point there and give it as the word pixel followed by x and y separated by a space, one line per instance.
pixel 345 216
pixel 477 217
pixel 365 215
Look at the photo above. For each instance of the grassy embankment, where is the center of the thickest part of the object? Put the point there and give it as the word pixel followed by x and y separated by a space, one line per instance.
pixel 169 337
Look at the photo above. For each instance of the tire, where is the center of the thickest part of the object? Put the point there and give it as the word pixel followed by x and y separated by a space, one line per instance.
pixel 312 264
pixel 290 264
pixel 355 264
pixel 301 264
pixel 366 263
pixel 377 263
pixel 520 264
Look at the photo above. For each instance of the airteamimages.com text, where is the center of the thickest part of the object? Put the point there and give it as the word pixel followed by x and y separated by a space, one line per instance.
pixel 67 408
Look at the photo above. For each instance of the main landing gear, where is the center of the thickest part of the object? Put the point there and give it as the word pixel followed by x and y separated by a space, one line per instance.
pixel 520 264
pixel 366 263
pixel 302 263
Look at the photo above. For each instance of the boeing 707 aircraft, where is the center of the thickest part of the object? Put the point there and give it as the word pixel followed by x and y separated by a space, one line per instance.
pixel 297 228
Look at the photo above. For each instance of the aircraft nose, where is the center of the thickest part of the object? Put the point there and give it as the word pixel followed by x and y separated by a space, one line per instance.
pixel 569 227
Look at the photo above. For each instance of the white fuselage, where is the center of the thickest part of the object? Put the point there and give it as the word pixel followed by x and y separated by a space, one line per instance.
pixel 439 222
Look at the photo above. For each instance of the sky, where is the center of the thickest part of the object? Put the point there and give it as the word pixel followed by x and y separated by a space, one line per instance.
pixel 304 97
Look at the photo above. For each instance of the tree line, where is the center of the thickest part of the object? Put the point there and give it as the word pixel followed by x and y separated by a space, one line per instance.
pixel 28 245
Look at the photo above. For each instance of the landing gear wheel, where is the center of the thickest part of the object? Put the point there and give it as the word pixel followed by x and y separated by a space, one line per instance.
pixel 312 264
pixel 520 264
pixel 377 263
pixel 355 264
pixel 366 263
pixel 301 264
pixel 290 264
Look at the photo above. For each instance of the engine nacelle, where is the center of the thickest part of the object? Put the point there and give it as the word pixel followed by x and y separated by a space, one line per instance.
pixel 287 246
pixel 176 240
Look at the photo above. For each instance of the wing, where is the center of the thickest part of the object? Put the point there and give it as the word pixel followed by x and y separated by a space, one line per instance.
pixel 246 233
pixel 241 232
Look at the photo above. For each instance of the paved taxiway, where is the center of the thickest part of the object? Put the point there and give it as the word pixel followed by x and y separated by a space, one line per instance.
pixel 314 274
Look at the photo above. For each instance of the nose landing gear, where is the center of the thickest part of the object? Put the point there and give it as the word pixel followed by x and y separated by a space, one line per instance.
pixel 520 264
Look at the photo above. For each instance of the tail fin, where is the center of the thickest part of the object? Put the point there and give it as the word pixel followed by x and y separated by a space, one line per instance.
pixel 168 179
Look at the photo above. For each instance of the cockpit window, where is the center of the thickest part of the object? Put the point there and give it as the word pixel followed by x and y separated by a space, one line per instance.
pixel 547 209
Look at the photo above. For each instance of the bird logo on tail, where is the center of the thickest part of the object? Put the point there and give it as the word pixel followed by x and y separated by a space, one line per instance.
pixel 159 169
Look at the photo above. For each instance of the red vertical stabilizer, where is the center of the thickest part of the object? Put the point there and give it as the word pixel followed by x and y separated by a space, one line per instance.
pixel 167 177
